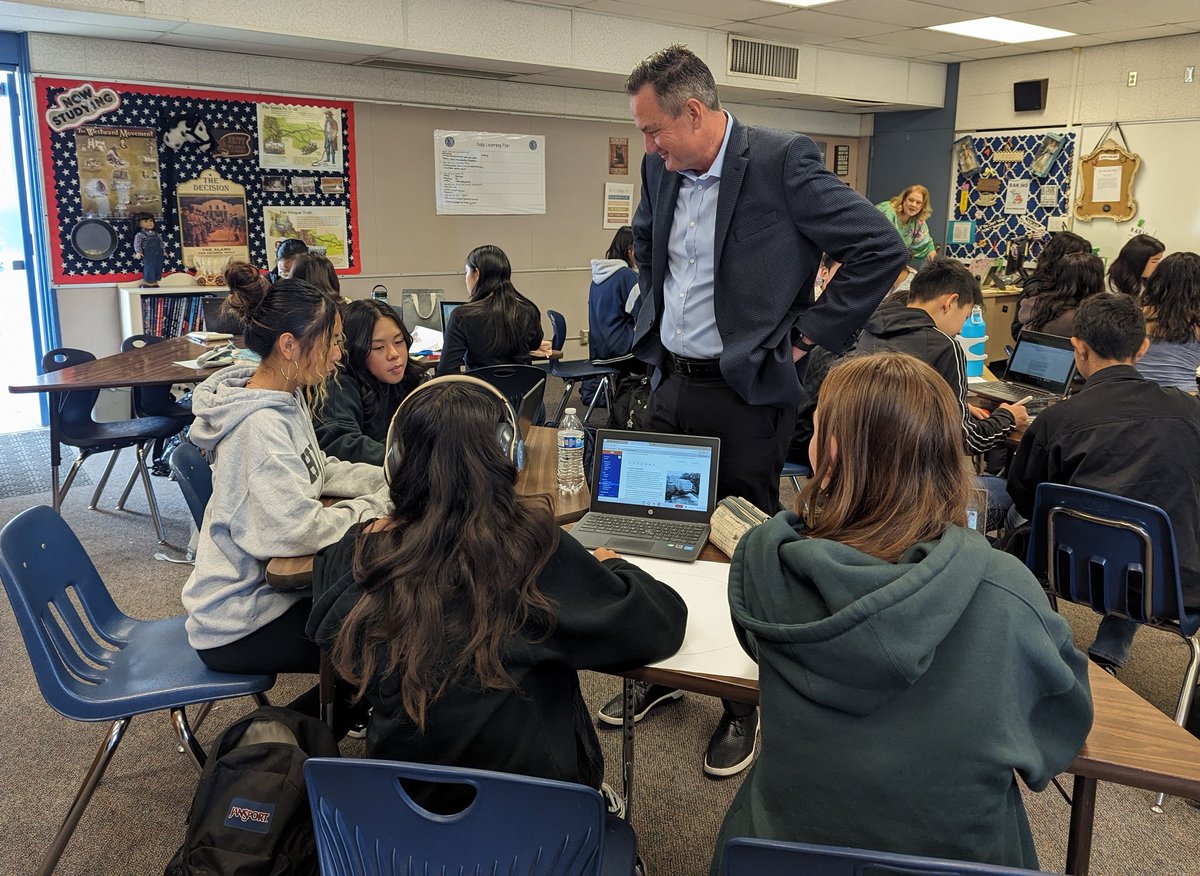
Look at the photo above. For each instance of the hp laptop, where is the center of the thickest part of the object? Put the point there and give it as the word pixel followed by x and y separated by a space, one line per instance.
pixel 652 494
pixel 1041 366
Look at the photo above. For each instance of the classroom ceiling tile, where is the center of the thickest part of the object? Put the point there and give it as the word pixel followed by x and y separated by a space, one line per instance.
pixel 656 13
pixel 1150 32
pixel 925 41
pixel 975 8
pixel 809 22
pixel 902 12
pixel 1086 18
pixel 1158 11
pixel 775 35
pixel 864 48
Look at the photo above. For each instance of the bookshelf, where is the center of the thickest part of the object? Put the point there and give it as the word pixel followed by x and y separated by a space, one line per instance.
pixel 170 310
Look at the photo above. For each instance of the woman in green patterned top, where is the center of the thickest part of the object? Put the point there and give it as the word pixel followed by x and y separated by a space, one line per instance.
pixel 908 212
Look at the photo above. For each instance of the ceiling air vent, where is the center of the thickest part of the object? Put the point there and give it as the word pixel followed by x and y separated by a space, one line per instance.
pixel 749 57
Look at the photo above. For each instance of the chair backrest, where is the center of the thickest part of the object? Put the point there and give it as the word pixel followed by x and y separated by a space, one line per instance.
pixel 148 401
pixel 756 857
pixel 75 407
pixel 523 385
pixel 515 824
pixel 559 336
pixel 194 476
pixel 42 564
pixel 1113 554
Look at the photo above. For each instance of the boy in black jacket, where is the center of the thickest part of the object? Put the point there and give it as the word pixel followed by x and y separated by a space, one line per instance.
pixel 1121 434
pixel 939 302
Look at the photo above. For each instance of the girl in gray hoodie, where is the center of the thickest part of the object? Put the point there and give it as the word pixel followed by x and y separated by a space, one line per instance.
pixel 269 475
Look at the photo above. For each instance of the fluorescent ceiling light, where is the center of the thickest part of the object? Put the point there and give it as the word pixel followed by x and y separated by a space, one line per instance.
pixel 1001 30
pixel 799 2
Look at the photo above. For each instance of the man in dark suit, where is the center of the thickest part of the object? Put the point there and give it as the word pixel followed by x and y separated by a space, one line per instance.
pixel 728 237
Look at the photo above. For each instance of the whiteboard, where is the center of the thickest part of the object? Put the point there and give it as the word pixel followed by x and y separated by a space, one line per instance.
pixel 1167 187
pixel 485 174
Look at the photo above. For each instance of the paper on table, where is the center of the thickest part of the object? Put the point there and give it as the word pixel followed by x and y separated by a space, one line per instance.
pixel 426 340
pixel 709 645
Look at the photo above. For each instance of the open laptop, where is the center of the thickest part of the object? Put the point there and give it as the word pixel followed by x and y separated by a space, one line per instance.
pixel 652 494
pixel 216 321
pixel 1041 366
pixel 447 309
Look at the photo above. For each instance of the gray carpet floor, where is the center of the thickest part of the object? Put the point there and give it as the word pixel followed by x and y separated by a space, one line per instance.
pixel 136 818
pixel 25 464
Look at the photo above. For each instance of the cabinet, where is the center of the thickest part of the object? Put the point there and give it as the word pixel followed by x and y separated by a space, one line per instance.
pixel 999 310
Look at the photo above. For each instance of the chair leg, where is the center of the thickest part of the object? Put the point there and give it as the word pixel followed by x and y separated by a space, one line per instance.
pixel 150 500
pixel 112 460
pixel 603 386
pixel 180 722
pixel 568 386
pixel 95 773
pixel 261 699
pixel 61 492
pixel 133 475
pixel 1186 695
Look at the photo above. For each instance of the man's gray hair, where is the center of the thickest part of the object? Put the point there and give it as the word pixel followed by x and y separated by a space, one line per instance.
pixel 677 75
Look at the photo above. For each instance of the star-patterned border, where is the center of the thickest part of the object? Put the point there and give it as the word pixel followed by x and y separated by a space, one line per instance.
pixel 145 106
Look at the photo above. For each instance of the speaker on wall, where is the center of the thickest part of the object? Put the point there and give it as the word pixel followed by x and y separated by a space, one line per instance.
pixel 1030 95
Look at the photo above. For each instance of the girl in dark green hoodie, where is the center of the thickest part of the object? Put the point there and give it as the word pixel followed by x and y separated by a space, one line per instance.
pixel 908 671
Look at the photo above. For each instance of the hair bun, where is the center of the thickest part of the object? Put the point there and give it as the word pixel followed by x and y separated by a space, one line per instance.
pixel 247 288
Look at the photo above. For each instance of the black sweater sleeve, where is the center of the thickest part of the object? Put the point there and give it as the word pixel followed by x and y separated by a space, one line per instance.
pixel 454 346
pixel 609 615
pixel 340 426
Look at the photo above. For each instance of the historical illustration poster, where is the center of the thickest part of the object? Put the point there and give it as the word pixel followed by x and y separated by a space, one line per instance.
pixel 618 156
pixel 316 226
pixel 212 220
pixel 118 171
pixel 296 137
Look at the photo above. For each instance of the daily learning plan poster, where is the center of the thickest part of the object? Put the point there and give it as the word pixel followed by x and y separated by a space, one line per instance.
pixel 489 174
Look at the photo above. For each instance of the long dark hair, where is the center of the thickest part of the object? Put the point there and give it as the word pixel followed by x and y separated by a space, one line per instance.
pixel 453 578
pixel 314 268
pixel 1172 299
pixel 358 323
pixel 508 310
pixel 1125 273
pixel 1059 245
pixel 621 242
pixel 1076 276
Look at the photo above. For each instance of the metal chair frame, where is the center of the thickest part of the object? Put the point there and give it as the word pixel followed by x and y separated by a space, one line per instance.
pixel 748 856
pixel 575 371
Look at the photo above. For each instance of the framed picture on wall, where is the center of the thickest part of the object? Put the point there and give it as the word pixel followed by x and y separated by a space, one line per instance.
pixel 966 156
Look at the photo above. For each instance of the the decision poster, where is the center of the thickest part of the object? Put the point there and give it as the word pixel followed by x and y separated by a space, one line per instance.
pixel 118 171
pixel 212 221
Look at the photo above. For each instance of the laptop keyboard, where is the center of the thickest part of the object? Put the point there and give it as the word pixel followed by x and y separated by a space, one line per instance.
pixel 639 527
pixel 1020 391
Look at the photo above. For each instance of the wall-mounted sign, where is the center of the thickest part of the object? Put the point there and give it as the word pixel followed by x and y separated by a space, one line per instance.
pixel 483 174
pixel 79 105
pixel 1106 182
pixel 841 159
pixel 118 171
pixel 212 219
pixel 618 156
pixel 618 204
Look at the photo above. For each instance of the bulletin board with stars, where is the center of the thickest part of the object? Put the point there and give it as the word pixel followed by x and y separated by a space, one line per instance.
pixel 1005 198
pixel 222 174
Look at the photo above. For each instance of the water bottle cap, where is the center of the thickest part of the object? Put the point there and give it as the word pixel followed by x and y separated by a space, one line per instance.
pixel 569 411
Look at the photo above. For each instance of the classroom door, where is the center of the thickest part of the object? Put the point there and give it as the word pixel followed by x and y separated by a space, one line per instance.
pixel 18 358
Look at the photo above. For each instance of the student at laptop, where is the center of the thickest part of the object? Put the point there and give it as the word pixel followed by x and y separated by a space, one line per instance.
pixel 1051 311
pixel 1122 434
pixel 498 326
pixel 924 325
pixel 1171 303
pixel 376 375
pixel 1060 244
pixel 899 654
pixel 464 616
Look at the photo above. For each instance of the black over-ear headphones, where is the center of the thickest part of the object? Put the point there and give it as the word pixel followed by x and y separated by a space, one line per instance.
pixel 507 433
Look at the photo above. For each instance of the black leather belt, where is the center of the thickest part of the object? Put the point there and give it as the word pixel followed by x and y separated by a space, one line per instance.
pixel 694 367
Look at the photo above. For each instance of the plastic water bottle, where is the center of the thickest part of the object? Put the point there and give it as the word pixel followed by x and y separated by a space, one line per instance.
pixel 974 334
pixel 570 453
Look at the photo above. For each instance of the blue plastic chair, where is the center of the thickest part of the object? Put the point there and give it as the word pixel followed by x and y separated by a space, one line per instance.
pixel 795 471
pixel 572 372
pixel 194 476
pixel 1116 556
pixel 760 857
pixel 368 825
pixel 108 667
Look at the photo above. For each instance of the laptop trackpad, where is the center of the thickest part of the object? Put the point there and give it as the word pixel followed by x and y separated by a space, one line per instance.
pixel 625 543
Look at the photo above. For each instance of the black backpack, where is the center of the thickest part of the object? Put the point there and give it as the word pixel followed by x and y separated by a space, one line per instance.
pixel 250 815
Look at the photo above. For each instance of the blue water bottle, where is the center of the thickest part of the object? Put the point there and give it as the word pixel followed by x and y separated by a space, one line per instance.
pixel 974 333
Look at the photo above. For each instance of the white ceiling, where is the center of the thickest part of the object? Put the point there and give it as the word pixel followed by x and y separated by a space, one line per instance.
pixel 897 27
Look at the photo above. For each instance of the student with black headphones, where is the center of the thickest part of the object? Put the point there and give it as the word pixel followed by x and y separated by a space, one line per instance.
pixel 463 616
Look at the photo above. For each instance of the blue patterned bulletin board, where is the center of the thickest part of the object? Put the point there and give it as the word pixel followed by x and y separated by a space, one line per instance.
pixel 994 228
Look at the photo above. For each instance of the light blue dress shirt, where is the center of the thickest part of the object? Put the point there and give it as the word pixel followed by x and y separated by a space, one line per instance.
pixel 689 320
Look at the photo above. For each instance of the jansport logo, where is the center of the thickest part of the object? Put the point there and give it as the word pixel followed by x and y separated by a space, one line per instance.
pixel 250 815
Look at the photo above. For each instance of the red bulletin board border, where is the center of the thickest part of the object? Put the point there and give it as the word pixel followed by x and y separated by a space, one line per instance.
pixel 42 87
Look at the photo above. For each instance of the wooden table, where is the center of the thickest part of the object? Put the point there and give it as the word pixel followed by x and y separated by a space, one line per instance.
pixel 1130 743
pixel 540 475
pixel 151 365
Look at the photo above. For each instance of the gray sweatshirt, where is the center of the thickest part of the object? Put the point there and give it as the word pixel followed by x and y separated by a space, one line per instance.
pixel 269 475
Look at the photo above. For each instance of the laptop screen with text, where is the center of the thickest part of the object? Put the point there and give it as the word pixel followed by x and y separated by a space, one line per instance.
pixel 655 474
pixel 1042 361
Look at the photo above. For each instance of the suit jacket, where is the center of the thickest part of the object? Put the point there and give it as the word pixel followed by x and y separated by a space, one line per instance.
pixel 778 209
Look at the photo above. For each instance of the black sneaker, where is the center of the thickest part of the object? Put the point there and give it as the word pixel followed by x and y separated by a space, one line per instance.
pixel 731 748
pixel 645 697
